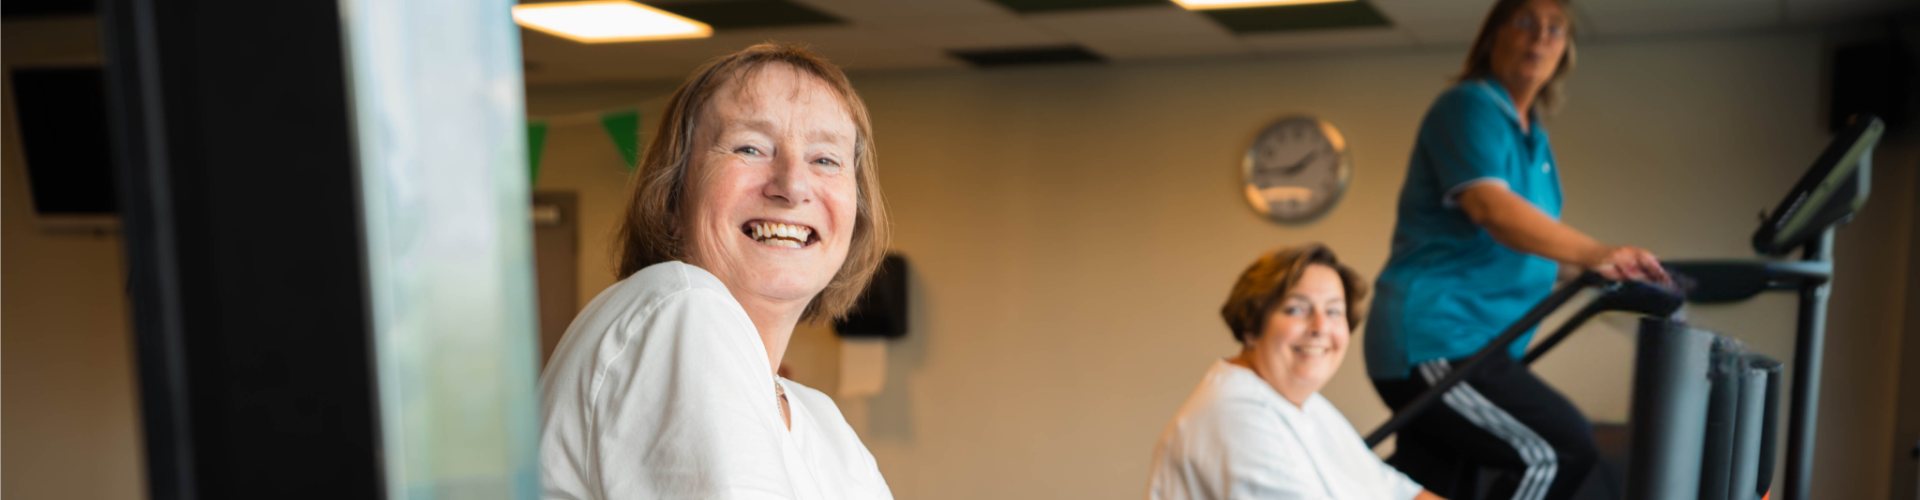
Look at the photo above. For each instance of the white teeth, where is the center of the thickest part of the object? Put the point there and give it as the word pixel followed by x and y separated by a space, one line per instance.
pixel 1312 351
pixel 781 235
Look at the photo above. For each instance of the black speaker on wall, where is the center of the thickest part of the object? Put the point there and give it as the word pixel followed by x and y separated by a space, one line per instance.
pixel 882 309
pixel 1875 78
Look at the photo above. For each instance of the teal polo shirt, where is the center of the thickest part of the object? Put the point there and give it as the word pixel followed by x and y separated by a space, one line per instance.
pixel 1448 287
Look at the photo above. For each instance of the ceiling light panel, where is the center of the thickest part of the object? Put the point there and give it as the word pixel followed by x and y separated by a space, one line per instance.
pixel 603 21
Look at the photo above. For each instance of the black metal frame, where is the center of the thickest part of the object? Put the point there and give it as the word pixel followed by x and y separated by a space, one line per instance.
pixel 1809 343
pixel 1614 296
pixel 1499 344
pixel 246 281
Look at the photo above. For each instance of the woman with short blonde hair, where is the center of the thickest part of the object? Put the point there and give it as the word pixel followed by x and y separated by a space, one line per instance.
pixel 756 207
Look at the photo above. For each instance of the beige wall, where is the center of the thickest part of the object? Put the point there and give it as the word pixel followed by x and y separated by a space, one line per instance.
pixel 70 426
pixel 1907 419
pixel 1074 229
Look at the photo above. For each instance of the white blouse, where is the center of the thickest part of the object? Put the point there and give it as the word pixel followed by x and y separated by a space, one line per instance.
pixel 661 390
pixel 1238 438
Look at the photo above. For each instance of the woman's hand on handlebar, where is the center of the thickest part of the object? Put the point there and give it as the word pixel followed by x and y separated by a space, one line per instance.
pixel 1628 263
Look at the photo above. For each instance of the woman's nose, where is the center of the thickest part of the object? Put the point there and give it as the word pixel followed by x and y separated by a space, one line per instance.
pixel 1318 325
pixel 788 183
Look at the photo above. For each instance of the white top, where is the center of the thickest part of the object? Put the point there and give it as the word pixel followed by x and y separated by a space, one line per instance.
pixel 661 390
pixel 1238 438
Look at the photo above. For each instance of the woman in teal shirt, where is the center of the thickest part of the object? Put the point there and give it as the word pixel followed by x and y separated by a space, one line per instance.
pixel 1477 243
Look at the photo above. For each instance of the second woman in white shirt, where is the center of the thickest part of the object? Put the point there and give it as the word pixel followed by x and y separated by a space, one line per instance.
pixel 1257 427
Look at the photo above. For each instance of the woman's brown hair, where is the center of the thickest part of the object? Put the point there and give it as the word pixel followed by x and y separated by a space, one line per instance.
pixel 653 228
pixel 1480 58
pixel 1265 283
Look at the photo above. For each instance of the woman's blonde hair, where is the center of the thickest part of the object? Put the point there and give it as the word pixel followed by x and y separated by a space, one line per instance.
pixel 1480 58
pixel 653 228
pixel 1265 283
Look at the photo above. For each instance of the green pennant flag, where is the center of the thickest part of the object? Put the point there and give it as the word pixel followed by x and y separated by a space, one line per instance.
pixel 536 138
pixel 624 126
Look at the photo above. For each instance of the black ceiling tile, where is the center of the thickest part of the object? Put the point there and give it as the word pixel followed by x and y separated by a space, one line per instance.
pixel 1316 16
pixel 1027 56
pixel 1030 6
pixel 742 14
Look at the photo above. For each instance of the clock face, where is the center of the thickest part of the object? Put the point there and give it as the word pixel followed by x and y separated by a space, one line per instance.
pixel 1296 169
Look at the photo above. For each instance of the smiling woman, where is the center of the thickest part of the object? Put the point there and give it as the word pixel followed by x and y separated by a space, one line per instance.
pixel 756 208
pixel 1257 427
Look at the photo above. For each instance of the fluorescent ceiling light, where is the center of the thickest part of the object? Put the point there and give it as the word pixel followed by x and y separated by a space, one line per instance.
pixel 602 21
pixel 1240 4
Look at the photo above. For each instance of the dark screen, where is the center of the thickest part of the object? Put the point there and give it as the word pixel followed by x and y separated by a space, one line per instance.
pixel 63 134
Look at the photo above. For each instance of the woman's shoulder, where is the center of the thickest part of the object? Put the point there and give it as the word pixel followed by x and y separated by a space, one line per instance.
pixel 647 289
pixel 669 297
pixel 665 279
pixel 1229 395
pixel 1467 96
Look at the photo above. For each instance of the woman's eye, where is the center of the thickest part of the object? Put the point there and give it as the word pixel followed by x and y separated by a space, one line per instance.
pixel 747 150
pixel 827 162
pixel 1292 310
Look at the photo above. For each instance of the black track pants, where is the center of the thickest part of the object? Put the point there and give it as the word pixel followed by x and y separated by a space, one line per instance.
pixel 1502 417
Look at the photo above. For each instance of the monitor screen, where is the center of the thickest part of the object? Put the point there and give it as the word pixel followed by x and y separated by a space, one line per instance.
pixel 1830 192
pixel 62 116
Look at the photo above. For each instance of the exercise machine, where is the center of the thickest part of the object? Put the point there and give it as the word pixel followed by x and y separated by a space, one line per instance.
pixel 1705 411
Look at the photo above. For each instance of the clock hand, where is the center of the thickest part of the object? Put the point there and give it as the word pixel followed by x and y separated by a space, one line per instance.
pixel 1297 167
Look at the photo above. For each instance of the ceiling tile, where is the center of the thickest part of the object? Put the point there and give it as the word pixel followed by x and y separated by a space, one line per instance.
pixel 555 60
pixel 1132 22
pixel 963 33
pixel 1611 20
pixel 1327 40
pixel 1030 6
pixel 1316 16
pixel 1436 22
pixel 1136 48
pixel 742 14
pixel 875 11
pixel 855 48
pixel 1819 12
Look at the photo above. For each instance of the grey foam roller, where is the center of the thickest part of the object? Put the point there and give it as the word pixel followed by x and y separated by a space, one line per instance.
pixel 1669 412
pixel 1726 371
pixel 1753 428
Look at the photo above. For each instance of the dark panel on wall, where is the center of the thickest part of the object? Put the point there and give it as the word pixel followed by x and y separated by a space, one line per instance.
pixel 63 135
pixel 22 9
pixel 1876 79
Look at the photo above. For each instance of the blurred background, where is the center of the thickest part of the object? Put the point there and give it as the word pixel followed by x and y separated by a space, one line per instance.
pixel 1065 180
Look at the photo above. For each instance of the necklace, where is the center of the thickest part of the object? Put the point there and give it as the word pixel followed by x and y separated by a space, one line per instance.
pixel 779 396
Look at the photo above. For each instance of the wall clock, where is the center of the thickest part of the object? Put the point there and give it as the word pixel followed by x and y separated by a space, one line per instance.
pixel 1296 170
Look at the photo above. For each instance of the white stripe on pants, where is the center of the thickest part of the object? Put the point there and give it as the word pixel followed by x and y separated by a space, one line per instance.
pixel 1542 462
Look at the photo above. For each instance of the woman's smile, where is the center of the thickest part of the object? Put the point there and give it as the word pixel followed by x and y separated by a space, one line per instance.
pixel 780 234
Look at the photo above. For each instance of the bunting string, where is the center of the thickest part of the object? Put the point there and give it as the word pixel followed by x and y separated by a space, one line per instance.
pixel 622 125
